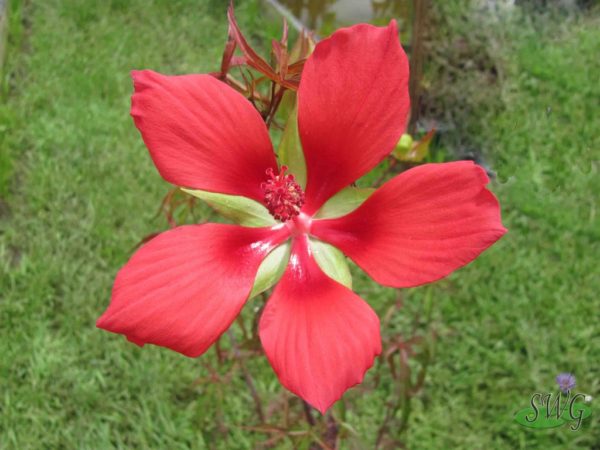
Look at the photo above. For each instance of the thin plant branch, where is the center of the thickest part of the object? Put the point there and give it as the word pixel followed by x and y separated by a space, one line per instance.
pixel 247 377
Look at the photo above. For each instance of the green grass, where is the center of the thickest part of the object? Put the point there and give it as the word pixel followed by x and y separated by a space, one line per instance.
pixel 81 192
pixel 526 310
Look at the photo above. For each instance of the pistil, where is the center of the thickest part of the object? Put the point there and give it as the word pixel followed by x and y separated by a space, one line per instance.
pixel 283 195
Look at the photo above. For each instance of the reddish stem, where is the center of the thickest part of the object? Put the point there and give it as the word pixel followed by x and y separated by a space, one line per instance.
pixel 247 378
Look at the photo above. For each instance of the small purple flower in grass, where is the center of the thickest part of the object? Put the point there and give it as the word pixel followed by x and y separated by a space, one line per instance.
pixel 566 381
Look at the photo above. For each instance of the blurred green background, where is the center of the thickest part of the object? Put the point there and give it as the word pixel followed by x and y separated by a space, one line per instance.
pixel 516 86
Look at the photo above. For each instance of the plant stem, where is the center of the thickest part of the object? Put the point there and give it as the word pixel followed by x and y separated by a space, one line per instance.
pixel 247 378
pixel 416 61
pixel 307 412
pixel 331 433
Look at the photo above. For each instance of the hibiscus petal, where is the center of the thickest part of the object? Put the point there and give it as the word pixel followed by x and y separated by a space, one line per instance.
pixel 183 289
pixel 353 105
pixel 201 133
pixel 319 336
pixel 419 226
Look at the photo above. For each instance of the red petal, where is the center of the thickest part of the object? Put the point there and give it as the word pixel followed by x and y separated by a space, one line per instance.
pixel 420 226
pixel 353 104
pixel 319 336
pixel 183 289
pixel 201 133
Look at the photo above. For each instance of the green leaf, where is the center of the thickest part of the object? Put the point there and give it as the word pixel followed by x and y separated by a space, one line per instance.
pixel 290 149
pixel 287 105
pixel 343 202
pixel 332 262
pixel 241 210
pixel 271 269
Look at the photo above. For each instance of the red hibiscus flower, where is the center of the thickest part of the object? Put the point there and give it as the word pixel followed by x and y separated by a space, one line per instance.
pixel 185 287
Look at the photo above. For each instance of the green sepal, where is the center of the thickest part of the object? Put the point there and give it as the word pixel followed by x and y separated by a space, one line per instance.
pixel 332 262
pixel 345 201
pixel 271 269
pixel 241 210
pixel 290 149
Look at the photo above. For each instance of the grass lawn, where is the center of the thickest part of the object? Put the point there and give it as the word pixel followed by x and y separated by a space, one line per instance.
pixel 78 191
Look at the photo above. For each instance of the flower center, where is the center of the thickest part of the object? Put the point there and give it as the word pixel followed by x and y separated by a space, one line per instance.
pixel 283 196
pixel 299 225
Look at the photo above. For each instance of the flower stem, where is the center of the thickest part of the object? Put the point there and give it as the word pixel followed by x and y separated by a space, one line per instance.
pixel 247 378
pixel 308 414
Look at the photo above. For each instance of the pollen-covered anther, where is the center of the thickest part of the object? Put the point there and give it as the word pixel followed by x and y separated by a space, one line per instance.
pixel 283 195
